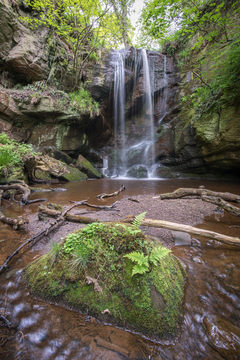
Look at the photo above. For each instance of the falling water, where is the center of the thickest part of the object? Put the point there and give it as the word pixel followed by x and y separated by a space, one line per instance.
pixel 127 144
pixel 119 115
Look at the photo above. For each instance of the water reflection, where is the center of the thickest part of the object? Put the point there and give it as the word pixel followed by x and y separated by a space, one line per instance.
pixel 210 325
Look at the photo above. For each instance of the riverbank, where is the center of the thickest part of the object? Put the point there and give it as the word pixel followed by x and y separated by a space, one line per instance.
pixel 212 290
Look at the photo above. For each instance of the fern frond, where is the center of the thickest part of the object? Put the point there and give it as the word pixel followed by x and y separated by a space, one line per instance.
pixel 139 219
pixel 137 257
pixel 141 261
pixel 157 254
pixel 139 269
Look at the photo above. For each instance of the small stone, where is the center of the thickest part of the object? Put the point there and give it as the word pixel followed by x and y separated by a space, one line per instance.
pixel 197 259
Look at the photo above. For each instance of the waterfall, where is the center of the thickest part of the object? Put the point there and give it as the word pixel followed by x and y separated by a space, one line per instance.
pixel 134 132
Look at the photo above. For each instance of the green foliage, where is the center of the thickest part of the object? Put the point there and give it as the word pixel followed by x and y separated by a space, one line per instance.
pixel 224 87
pixel 139 219
pixel 157 254
pixel 141 261
pixel 81 100
pixel 168 20
pixel 116 258
pixel 85 25
pixel 4 139
pixel 12 152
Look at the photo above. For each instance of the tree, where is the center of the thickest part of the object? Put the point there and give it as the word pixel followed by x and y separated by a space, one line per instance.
pixel 85 25
pixel 121 9
pixel 186 17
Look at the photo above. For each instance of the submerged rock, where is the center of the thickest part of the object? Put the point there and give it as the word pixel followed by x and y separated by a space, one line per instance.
pixel 223 336
pixel 115 273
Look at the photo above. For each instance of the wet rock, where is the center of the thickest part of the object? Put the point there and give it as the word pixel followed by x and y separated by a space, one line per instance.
pixel 223 336
pixel 137 171
pixel 181 238
pixel 147 299
pixel 86 167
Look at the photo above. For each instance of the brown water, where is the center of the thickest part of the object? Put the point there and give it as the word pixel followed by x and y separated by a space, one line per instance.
pixel 212 301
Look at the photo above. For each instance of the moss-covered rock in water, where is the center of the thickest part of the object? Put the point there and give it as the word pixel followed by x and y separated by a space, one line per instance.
pixel 87 167
pixel 114 272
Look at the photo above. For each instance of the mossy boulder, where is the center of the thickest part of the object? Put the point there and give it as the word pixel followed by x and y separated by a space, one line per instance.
pixel 116 273
pixel 73 174
pixel 87 167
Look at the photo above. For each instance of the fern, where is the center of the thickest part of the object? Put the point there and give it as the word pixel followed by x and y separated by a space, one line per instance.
pixel 139 219
pixel 142 265
pixel 157 254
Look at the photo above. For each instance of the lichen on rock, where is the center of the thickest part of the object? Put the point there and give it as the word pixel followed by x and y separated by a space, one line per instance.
pixel 116 267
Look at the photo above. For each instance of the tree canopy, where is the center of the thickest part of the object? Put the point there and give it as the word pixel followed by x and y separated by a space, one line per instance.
pixel 166 19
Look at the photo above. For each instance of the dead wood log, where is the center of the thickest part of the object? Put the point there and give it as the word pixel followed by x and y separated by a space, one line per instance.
pixel 21 188
pixel 100 207
pixel 133 200
pixel 53 226
pixel 188 229
pixel 234 210
pixel 17 223
pixel 183 192
pixel 115 193
pixel 46 211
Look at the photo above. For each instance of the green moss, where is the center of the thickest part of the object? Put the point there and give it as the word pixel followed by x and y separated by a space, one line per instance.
pixel 74 174
pixel 86 166
pixel 149 302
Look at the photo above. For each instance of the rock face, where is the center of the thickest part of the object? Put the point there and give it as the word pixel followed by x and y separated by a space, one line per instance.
pixel 32 109
pixel 23 53
pixel 113 272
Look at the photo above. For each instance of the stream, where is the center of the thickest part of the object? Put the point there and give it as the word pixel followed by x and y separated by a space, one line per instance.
pixel 211 315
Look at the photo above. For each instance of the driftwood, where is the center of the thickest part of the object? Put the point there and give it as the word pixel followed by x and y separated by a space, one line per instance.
pixel 102 196
pixel 100 207
pixel 188 229
pixel 53 226
pixel 156 223
pixel 133 200
pixel 234 210
pixel 21 188
pixel 17 223
pixel 183 192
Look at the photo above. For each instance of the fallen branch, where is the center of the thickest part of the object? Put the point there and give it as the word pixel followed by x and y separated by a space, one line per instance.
pixel 17 223
pixel 53 226
pixel 46 211
pixel 188 229
pixel 102 196
pixel 183 192
pixel 133 200
pixel 21 188
pixel 234 210
pixel 100 207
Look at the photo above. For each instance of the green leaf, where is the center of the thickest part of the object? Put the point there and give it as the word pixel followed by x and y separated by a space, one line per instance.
pixel 139 219
pixel 157 254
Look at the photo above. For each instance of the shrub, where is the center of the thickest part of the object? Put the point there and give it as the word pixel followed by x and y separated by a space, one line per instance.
pixel 82 101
